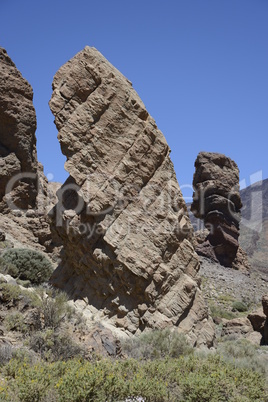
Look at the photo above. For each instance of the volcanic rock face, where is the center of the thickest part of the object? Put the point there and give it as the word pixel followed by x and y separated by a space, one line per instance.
pixel 17 134
pixel 23 186
pixel 216 200
pixel 121 217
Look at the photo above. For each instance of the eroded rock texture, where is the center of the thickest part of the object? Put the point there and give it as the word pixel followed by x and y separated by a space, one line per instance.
pixel 216 200
pixel 23 186
pixel 121 217
pixel 17 133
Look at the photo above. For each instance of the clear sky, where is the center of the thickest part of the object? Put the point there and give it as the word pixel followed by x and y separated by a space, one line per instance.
pixel 200 67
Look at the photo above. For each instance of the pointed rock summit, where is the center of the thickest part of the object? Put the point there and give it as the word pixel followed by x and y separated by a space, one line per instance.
pixel 121 217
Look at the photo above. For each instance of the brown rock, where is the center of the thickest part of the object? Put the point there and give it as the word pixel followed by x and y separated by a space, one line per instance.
pixel 255 338
pixel 17 136
pixel 24 194
pixel 257 319
pixel 237 328
pixel 121 216
pixel 216 200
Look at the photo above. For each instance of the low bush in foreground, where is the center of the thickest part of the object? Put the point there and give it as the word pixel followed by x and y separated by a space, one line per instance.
pixel 189 379
pixel 156 344
pixel 245 355
pixel 26 264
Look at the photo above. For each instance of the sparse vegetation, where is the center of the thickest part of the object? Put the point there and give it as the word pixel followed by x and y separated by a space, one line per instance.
pixel 53 308
pixel 158 366
pixel 218 311
pixel 54 346
pixel 239 306
pixel 26 264
pixel 15 322
pixel 244 355
pixel 157 344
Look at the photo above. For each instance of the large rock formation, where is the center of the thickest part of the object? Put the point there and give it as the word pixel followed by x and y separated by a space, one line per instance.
pixel 121 217
pixel 216 200
pixel 23 186
pixel 17 134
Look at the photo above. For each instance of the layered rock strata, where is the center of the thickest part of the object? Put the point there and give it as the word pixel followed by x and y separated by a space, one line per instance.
pixel 216 200
pixel 23 186
pixel 127 238
pixel 17 134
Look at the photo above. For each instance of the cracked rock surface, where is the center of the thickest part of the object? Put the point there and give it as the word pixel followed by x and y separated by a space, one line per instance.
pixel 217 201
pixel 24 192
pixel 17 134
pixel 124 226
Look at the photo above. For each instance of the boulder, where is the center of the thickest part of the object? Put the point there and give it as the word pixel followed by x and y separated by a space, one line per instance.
pixel 237 328
pixel 257 319
pixel 121 217
pixel 216 200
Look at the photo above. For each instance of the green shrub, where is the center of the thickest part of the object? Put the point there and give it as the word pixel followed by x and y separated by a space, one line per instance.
pixel 187 379
pixel 13 293
pixel 220 312
pixel 53 308
pixel 244 353
pixel 239 306
pixel 157 344
pixel 8 268
pixel 30 264
pixel 15 322
pixel 54 346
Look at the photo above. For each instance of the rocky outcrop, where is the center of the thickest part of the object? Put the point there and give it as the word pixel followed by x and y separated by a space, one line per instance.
pixel 216 200
pixel 265 327
pixel 17 135
pixel 121 217
pixel 24 193
pixel 259 320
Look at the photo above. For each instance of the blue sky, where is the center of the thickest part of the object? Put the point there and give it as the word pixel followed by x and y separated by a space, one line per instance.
pixel 200 67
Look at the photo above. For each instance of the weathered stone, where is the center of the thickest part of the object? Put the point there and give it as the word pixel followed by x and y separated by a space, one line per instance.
pixel 255 338
pixel 121 216
pixel 216 200
pixel 24 193
pixel 257 319
pixel 17 134
pixel 237 328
